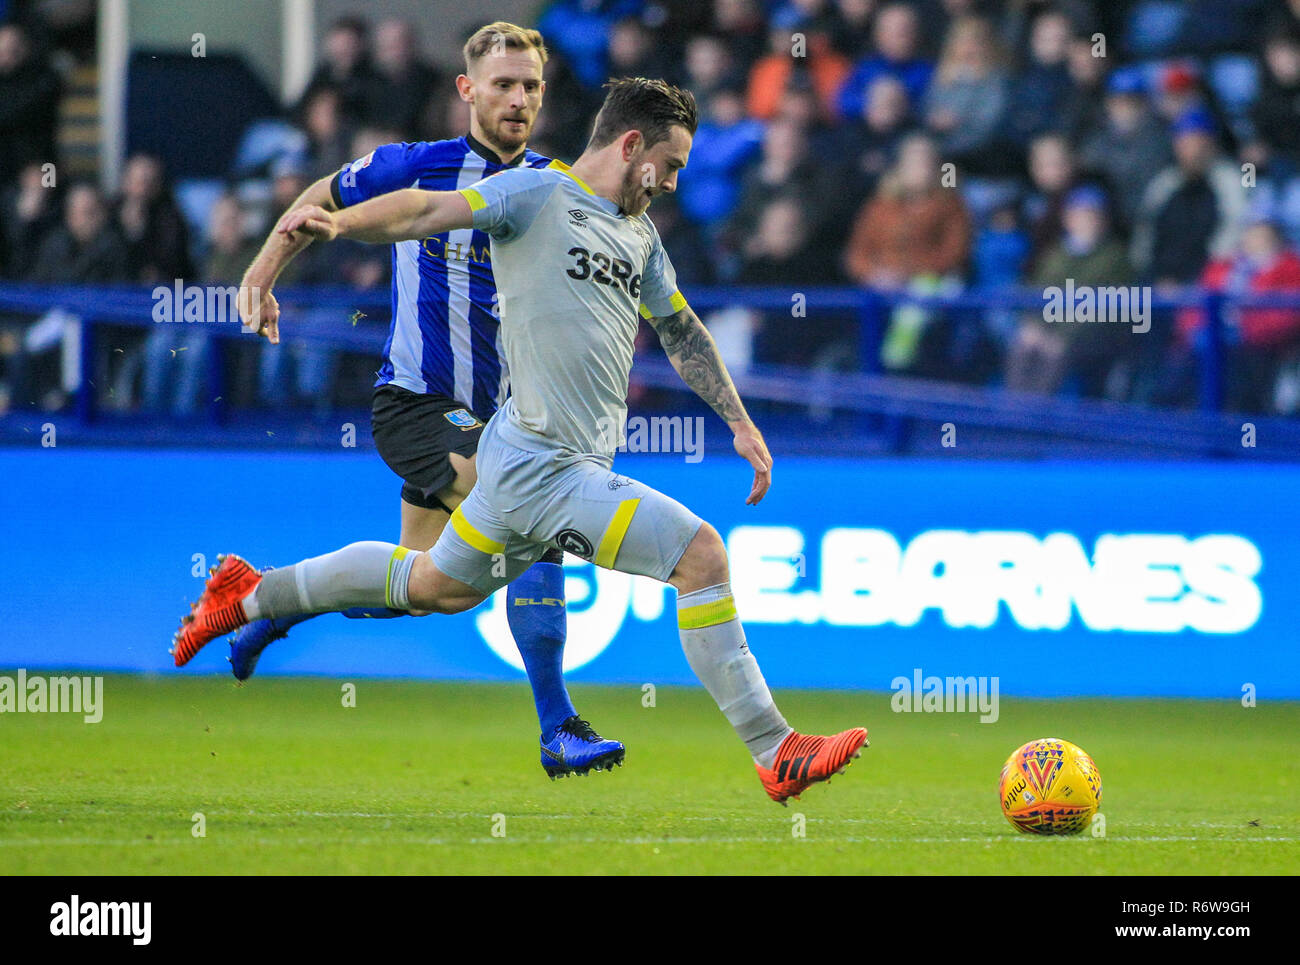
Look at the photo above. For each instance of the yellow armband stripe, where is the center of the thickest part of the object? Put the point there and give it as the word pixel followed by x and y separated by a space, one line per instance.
pixel 677 301
pixel 476 202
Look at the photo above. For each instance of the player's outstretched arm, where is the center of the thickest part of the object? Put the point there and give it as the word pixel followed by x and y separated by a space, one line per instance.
pixel 407 215
pixel 258 309
pixel 694 355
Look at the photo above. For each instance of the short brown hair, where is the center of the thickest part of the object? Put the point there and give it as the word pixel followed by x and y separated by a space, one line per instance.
pixel 499 36
pixel 652 107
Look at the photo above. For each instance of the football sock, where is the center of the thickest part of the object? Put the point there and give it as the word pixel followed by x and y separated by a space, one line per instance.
pixel 535 612
pixel 368 574
pixel 715 647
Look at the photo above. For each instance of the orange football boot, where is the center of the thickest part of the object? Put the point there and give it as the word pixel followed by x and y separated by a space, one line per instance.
pixel 218 610
pixel 805 759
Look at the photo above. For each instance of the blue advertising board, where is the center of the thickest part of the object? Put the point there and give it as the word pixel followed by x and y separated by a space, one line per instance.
pixel 1057 578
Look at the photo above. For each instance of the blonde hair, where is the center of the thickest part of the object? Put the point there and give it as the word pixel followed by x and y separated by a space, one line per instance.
pixel 496 38
pixel 969 27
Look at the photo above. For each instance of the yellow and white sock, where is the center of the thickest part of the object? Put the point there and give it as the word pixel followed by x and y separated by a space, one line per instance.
pixel 715 647
pixel 366 574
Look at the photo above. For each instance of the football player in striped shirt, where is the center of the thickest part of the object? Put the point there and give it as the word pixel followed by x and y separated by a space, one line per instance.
pixel 444 372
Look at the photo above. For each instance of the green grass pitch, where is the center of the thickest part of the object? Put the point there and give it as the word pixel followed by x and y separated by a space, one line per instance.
pixel 413 778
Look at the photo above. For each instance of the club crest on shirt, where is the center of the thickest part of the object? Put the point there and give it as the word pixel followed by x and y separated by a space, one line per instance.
pixel 639 226
pixel 571 541
pixel 461 419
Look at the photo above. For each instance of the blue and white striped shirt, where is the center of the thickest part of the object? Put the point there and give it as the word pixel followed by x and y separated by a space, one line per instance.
pixel 444 337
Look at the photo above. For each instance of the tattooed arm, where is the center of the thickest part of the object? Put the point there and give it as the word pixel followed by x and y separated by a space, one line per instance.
pixel 691 349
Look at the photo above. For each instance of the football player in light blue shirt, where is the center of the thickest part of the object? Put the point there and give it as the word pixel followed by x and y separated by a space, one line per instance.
pixel 580 265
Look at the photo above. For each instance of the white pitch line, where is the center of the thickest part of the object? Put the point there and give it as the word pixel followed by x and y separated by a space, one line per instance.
pixel 551 839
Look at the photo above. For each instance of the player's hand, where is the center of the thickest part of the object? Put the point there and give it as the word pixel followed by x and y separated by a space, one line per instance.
pixel 749 443
pixel 311 220
pixel 260 312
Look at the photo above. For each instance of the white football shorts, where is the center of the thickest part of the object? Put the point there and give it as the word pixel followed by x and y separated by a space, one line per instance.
pixel 531 495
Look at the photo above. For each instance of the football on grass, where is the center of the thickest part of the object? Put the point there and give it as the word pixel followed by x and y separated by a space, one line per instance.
pixel 1050 786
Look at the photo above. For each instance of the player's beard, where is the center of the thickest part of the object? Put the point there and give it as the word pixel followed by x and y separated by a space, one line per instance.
pixel 507 136
pixel 635 199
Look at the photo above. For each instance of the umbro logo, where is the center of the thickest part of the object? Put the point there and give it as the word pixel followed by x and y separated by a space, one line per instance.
pixel 577 217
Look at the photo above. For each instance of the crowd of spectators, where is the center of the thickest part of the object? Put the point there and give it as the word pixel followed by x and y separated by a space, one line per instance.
pixel 933 146
pixel 911 146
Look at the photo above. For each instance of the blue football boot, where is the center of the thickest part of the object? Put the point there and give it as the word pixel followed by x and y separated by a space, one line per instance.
pixel 251 640
pixel 574 748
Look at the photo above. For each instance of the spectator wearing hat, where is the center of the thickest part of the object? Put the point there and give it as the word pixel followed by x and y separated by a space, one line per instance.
pixel 1190 211
pixel 1177 91
pixel 1044 353
pixel 1181 90
pixel 1130 145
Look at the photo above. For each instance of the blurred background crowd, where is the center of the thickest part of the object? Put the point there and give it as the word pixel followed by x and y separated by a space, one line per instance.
pixel 927 146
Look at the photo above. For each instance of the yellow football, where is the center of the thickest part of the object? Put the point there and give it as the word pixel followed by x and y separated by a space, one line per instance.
pixel 1050 786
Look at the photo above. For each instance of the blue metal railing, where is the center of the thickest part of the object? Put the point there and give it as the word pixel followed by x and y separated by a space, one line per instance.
pixel 866 391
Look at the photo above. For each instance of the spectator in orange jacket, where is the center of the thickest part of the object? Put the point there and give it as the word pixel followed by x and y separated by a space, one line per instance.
pixel 914 226
pixel 772 75
pixel 914 234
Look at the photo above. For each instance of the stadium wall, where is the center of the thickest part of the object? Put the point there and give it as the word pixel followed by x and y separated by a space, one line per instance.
pixel 1057 578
